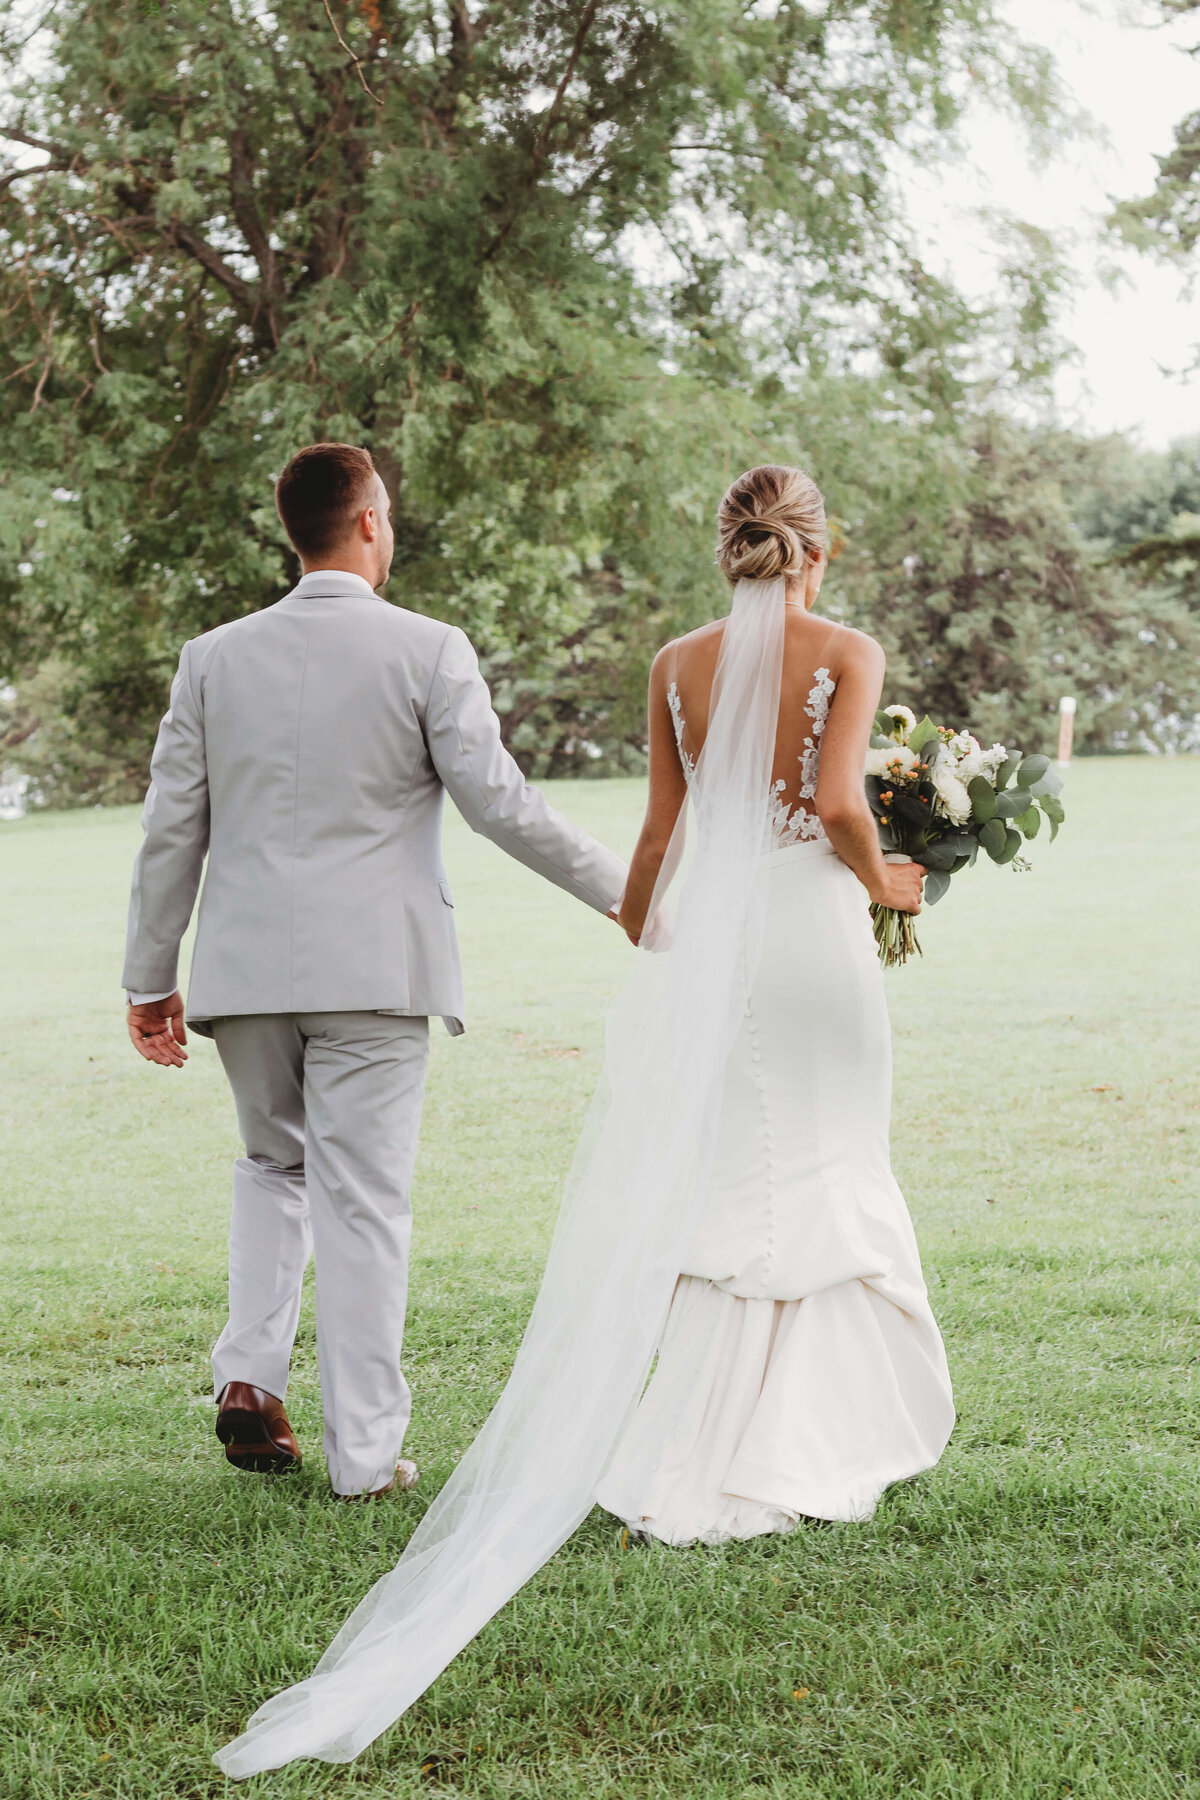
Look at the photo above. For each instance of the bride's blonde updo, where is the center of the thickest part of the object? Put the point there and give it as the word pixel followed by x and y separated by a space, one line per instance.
pixel 770 523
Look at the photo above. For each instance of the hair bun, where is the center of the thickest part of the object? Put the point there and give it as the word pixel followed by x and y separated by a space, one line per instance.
pixel 771 521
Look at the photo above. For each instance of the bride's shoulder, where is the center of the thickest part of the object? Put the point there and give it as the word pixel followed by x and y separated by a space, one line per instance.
pixel 702 638
pixel 854 649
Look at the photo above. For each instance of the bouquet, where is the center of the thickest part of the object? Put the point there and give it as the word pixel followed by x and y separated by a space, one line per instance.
pixel 939 798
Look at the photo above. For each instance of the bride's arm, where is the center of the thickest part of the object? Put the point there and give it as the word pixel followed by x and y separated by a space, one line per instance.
pixel 668 790
pixel 841 796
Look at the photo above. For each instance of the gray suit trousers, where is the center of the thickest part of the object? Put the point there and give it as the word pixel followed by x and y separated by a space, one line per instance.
pixel 329 1106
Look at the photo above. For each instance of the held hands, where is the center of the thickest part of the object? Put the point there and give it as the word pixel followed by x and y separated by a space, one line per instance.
pixel 157 1031
pixel 901 887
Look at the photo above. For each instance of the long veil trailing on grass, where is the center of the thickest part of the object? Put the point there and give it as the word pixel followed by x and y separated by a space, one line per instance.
pixel 632 1198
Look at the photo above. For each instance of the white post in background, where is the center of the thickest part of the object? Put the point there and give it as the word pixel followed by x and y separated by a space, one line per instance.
pixel 1066 729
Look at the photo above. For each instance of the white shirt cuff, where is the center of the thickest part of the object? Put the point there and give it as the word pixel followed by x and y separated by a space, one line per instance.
pixel 147 999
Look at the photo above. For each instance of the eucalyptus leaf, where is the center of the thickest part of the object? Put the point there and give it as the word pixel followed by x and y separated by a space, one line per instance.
pixel 983 798
pixel 921 734
pixel 1050 783
pixel 963 862
pixel 992 836
pixel 909 807
pixel 1052 808
pixel 883 725
pixel 1029 822
pixel 879 742
pixel 1012 843
pixel 931 749
pixel 1032 769
pixel 1054 823
pixel 940 855
pixel 936 884
pixel 1012 802
pixel 1006 771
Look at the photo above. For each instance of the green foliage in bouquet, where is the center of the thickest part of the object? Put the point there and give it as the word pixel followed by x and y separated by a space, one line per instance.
pixel 939 798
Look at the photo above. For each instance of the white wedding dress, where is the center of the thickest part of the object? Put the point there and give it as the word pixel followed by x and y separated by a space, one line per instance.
pixel 800 1371
pixel 730 1211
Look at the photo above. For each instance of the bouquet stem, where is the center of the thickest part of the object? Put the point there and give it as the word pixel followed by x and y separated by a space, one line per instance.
pixel 896 935
pixel 895 932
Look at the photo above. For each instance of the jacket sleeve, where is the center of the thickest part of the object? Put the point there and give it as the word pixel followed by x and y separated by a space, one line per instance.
pixel 489 790
pixel 166 875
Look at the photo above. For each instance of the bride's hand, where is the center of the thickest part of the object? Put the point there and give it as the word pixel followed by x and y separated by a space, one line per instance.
pixel 632 931
pixel 901 887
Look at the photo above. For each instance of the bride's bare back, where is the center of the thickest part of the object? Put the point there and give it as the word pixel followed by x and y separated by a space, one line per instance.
pixel 808 685
pixel 681 683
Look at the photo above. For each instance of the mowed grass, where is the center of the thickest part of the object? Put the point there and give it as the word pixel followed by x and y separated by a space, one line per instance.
pixel 1023 1621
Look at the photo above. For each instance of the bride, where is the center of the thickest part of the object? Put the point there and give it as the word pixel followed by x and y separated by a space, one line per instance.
pixel 731 1217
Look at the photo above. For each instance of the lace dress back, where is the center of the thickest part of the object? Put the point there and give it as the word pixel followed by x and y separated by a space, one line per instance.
pixel 792 816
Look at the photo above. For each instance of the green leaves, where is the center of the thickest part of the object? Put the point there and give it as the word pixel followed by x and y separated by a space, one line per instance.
pixel 1032 769
pixel 941 854
pixel 993 838
pixel 921 733
pixel 1049 783
pixel 936 884
pixel 1029 822
pixel 984 801
pixel 1053 809
pixel 1012 802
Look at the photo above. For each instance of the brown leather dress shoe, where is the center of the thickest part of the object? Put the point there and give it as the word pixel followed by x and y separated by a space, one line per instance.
pixel 254 1429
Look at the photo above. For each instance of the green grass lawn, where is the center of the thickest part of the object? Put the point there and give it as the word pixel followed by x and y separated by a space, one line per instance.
pixel 1022 1621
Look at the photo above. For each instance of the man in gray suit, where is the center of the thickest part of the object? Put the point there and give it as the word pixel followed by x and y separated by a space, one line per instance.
pixel 307 750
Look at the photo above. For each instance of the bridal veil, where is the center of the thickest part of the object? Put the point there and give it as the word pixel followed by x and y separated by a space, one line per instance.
pixel 632 1198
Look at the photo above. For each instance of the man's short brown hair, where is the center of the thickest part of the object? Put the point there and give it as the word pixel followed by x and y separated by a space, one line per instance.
pixel 321 493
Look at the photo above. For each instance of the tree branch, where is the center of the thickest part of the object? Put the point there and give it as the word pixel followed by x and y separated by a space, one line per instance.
pixel 542 142
pixel 22 137
pixel 245 211
pixel 356 62
pixel 210 259
pixel 46 168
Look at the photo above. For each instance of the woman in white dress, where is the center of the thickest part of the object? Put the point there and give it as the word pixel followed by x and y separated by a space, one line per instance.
pixel 800 1371
pixel 731 1209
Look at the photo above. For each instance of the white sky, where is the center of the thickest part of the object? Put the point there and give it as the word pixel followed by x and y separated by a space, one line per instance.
pixel 1136 84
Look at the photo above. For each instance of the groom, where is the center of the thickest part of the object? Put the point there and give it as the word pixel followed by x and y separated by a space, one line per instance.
pixel 307 750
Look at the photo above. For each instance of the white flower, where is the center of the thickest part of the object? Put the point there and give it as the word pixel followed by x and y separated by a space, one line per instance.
pixel 895 762
pixel 992 759
pixel 953 802
pixel 902 721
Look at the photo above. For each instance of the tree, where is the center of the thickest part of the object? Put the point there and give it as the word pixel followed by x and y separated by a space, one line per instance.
pixel 1005 597
pixel 232 228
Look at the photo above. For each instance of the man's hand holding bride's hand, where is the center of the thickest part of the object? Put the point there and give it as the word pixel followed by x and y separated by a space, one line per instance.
pixel 157 1031
pixel 901 887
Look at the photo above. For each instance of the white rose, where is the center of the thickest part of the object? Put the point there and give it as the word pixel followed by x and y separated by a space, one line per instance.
pixel 901 718
pixel 953 800
pixel 894 762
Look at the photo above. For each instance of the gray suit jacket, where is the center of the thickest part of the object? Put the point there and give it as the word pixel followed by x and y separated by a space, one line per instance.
pixel 307 750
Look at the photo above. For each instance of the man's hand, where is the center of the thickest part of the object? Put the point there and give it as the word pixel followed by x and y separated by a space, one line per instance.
pixel 157 1031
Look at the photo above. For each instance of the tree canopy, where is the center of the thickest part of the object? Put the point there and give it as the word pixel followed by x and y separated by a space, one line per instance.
pixel 564 268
